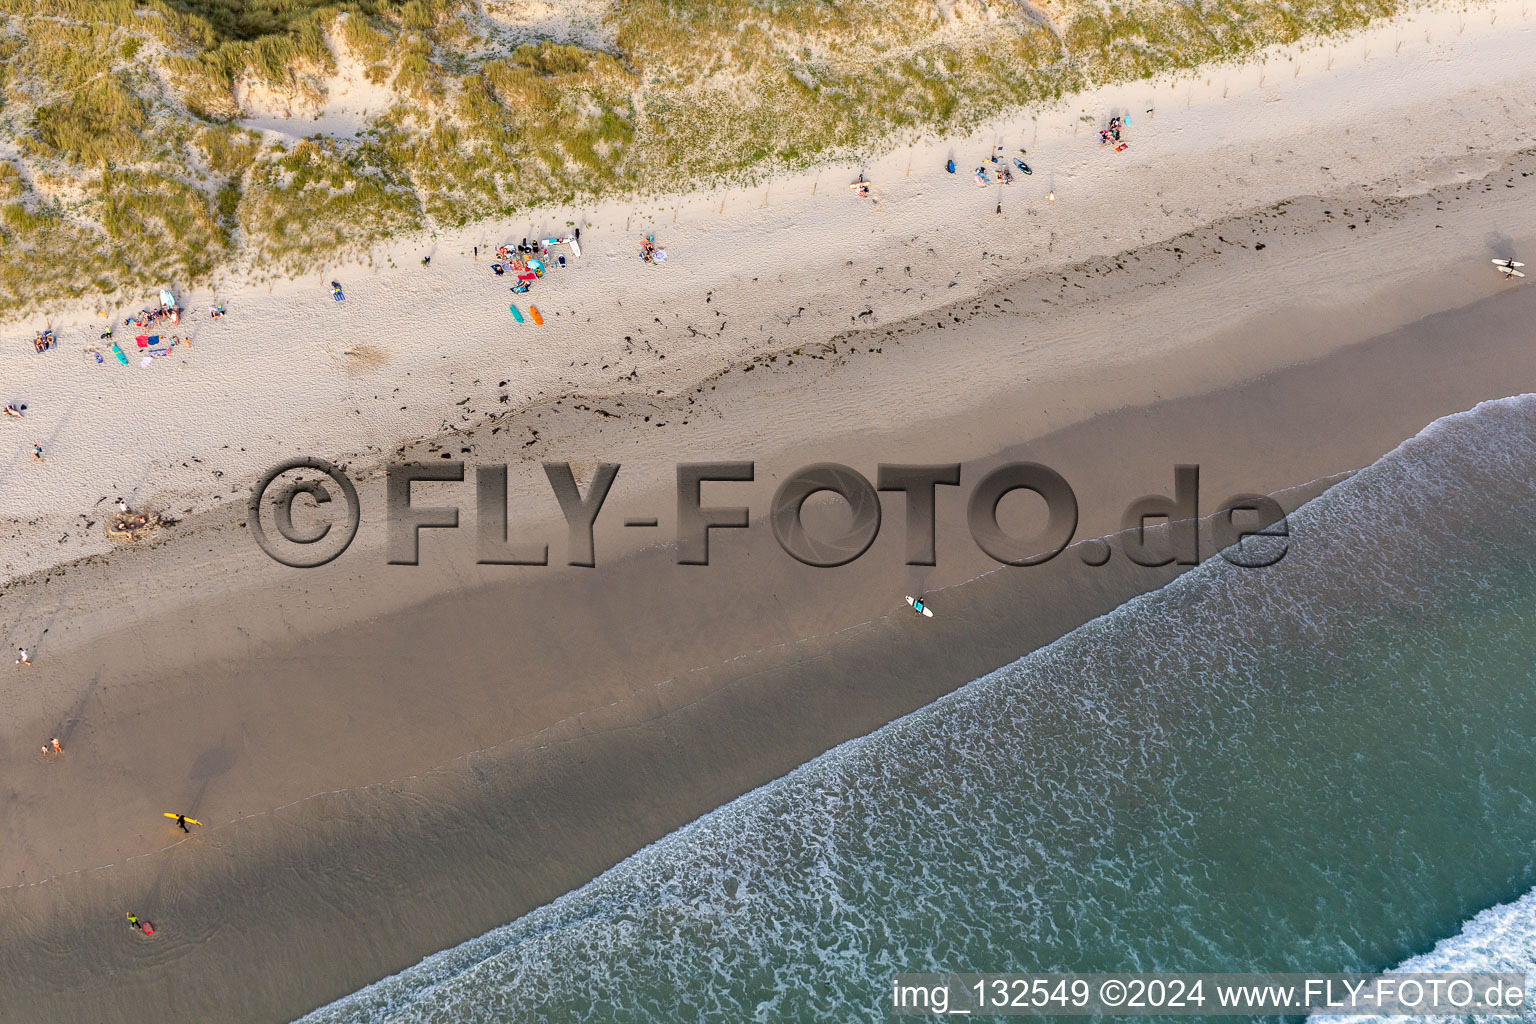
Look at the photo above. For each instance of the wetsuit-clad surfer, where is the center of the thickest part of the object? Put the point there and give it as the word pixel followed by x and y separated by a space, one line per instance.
pixel 181 820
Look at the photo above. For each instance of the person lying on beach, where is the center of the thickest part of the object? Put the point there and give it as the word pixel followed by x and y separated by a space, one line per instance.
pixel 12 410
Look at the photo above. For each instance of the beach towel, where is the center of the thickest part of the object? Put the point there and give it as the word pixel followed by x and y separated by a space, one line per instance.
pixel 142 340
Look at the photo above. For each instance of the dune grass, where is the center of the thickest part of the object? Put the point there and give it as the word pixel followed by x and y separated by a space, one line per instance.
pixel 129 167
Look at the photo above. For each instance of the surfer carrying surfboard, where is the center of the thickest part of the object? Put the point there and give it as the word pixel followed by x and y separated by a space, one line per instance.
pixel 182 820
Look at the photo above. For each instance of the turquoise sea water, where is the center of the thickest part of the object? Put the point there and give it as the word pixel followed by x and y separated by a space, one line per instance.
pixel 1327 765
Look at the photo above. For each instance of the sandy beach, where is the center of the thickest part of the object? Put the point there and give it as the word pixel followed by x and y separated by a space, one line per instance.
pixel 391 759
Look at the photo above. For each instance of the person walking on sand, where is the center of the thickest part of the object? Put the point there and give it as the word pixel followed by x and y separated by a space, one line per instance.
pixel 21 657
pixel 999 212
pixel 181 821
pixel 37 453
pixel 134 922
pixel 53 746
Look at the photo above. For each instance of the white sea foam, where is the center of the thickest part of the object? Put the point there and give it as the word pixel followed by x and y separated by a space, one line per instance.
pixel 1500 939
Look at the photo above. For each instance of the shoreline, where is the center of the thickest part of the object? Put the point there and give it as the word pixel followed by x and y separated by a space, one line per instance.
pixel 392 760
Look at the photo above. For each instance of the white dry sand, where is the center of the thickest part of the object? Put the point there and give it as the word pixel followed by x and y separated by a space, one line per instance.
pixel 1437 97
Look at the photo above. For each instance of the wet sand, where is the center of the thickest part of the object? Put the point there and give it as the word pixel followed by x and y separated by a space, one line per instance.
pixel 392 759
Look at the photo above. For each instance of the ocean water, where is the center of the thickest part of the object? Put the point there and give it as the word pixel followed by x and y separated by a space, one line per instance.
pixel 1326 765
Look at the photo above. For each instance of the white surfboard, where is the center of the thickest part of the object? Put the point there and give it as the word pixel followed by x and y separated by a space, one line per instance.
pixel 1512 272
pixel 1507 263
pixel 926 610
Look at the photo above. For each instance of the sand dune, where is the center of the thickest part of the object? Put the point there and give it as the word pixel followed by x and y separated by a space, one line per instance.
pixel 390 760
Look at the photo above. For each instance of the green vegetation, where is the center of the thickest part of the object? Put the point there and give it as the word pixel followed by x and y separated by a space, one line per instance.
pixel 128 168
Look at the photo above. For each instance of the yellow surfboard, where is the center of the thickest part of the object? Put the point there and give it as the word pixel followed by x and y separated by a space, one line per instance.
pixel 190 821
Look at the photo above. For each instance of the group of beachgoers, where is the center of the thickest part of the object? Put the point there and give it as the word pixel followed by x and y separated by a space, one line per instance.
pixel 529 261
pixel 999 158
pixel 1001 173
pixel 169 312
pixel 1111 136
